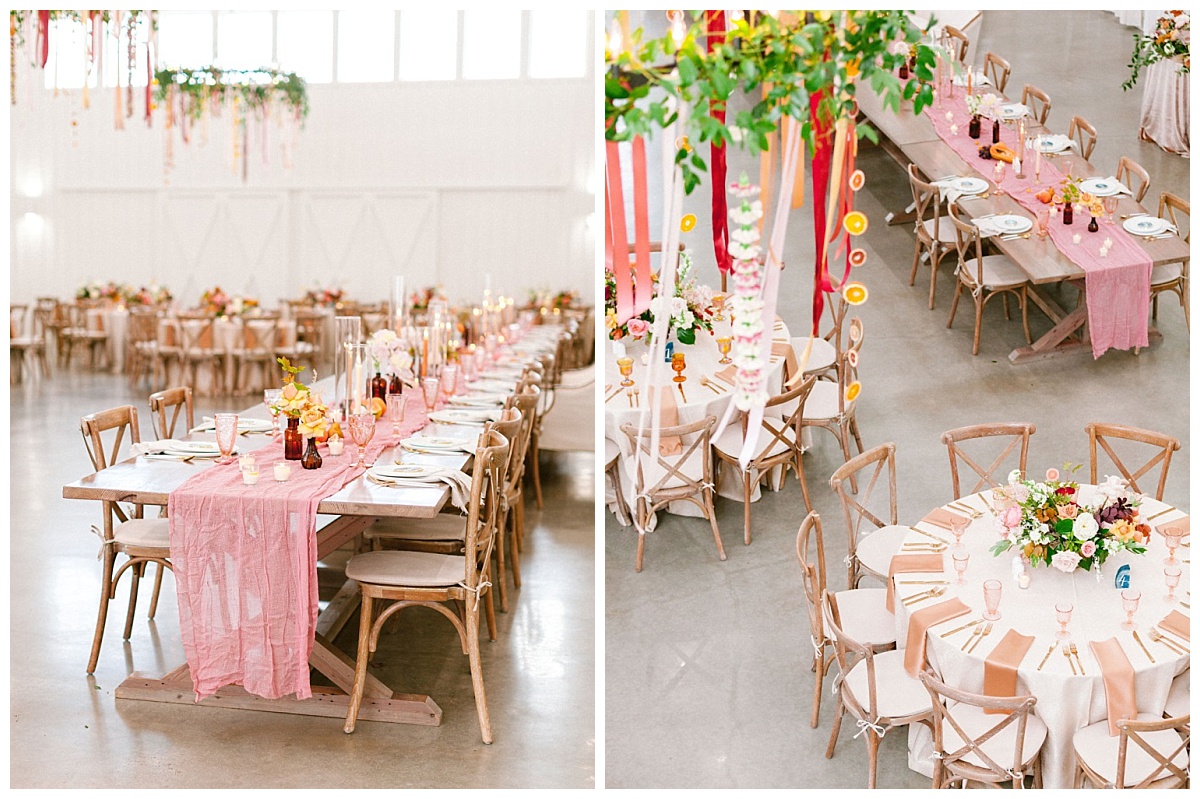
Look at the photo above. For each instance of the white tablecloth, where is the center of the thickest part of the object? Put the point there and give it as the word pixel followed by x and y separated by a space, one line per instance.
pixel 702 360
pixel 1165 115
pixel 1065 702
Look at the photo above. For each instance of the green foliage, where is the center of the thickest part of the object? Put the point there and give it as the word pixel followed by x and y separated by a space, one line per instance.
pixel 255 87
pixel 832 52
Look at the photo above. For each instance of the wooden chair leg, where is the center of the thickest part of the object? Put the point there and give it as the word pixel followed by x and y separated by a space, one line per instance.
pixel 837 727
pixel 360 665
pixel 978 323
pixel 537 476
pixel 501 570
pixel 135 574
pixel 933 270
pixel 872 757
pixel 1007 313
pixel 485 722
pixel 819 662
pixel 514 552
pixel 489 598
pixel 157 588
pixel 912 278
pixel 1025 315
pixel 803 481
pixel 641 550
pixel 712 520
pixel 105 595
pixel 746 492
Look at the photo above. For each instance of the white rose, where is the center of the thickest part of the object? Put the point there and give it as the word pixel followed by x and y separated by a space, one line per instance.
pixel 1014 477
pixel 1085 527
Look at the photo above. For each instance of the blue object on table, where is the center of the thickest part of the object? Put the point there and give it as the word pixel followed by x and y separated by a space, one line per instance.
pixel 1122 578
pixel 670 351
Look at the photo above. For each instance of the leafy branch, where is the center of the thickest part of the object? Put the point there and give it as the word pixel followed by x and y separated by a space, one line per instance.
pixel 831 52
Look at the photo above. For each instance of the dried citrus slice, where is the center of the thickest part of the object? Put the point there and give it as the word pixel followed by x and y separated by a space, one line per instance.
pixel 855 223
pixel 682 143
pixel 852 358
pixel 853 390
pixel 857 180
pixel 858 257
pixel 378 407
pixel 687 223
pixel 855 293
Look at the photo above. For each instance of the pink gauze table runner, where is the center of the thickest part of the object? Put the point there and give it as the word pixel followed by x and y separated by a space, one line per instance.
pixel 1117 286
pixel 245 564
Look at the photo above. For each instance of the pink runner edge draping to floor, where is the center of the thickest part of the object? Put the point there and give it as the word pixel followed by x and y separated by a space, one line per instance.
pixel 1117 285
pixel 245 565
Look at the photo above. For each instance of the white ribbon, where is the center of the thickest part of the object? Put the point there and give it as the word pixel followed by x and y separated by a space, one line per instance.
pixel 818 649
pixel 477 591
pixel 864 725
pixel 104 542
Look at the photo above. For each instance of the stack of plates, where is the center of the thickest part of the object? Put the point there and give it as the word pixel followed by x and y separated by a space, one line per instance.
pixel 463 416
pixel 1100 187
pixel 440 445
pixel 405 472
pixel 1012 111
pixel 966 186
pixel 1010 223
pixel 194 449
pixel 478 399
pixel 1146 225
pixel 1053 143
pixel 244 425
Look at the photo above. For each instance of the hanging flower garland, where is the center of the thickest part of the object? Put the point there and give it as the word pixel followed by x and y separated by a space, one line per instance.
pixel 747 302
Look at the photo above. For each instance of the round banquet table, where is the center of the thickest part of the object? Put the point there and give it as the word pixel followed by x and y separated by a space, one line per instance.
pixel 1165 117
pixel 702 360
pixel 1065 702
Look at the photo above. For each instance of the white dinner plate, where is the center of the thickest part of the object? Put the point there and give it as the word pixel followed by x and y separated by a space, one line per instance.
pixel 196 447
pixel 1053 144
pixel 969 185
pixel 979 80
pixel 1011 223
pixel 1100 187
pixel 1012 111
pixel 461 416
pixel 493 383
pixel 504 372
pixel 479 400
pixel 1145 225
pixel 406 471
pixel 438 443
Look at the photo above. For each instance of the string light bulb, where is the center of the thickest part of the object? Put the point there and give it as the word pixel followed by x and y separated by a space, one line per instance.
pixel 615 41
pixel 678 30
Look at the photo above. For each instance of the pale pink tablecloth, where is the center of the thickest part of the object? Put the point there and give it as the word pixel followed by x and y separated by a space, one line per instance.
pixel 1165 104
pixel 245 562
pixel 1117 285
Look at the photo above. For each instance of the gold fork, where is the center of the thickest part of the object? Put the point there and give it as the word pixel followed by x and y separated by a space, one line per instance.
pixel 921 597
pixel 1067 654
pixel 986 632
pixel 960 629
pixel 1166 639
pixel 1075 652
pixel 704 381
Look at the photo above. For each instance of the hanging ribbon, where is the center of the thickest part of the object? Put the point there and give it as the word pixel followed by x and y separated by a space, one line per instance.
pixel 149 69
pixel 634 284
pixel 643 285
pixel 715 26
pixel 43 39
pixel 821 164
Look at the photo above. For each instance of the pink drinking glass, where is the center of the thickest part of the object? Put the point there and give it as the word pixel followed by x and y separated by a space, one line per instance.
pixel 1172 535
pixel 1171 573
pixel 480 358
pixel 959 527
pixel 449 380
pixel 395 412
pixel 991 599
pixel 960 566
pixel 362 430
pixel 429 390
pixel 226 424
pixel 1062 612
pixel 1129 604
pixel 1043 222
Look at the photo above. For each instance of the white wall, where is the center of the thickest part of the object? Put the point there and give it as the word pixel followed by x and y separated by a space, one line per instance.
pixel 441 181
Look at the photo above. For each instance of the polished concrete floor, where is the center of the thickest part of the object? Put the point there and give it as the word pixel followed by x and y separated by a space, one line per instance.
pixel 707 680
pixel 68 731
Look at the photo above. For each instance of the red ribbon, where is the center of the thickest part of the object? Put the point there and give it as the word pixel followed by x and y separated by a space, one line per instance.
pixel 616 240
pixel 643 285
pixel 44 37
pixel 822 154
pixel 715 22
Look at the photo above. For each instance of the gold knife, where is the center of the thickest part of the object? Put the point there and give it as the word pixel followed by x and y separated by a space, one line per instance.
pixel 960 629
pixel 1049 652
pixel 1138 638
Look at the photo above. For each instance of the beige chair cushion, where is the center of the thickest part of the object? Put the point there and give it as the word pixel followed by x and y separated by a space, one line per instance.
pixel 822 402
pixel 1179 700
pixel 1001 746
pixel 417 569
pixel 821 357
pixel 443 527
pixel 998 272
pixel 692 468
pixel 865 617
pixel 896 694
pixel 875 549
pixel 144 533
pixel 1095 747
pixel 945 230
pixel 730 442
pixel 1167 273
pixel 611 453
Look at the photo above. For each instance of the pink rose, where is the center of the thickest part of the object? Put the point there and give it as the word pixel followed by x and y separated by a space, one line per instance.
pixel 638 327
pixel 1088 549
pixel 1052 473
pixel 1065 561
pixel 1068 511
pixel 1011 518
pixel 1020 493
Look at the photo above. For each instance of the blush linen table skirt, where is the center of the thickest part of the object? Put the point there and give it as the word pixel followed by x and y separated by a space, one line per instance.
pixel 1165 116
pixel 1065 702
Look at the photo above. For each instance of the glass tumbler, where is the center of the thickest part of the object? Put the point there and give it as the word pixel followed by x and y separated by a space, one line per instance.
pixel 991 599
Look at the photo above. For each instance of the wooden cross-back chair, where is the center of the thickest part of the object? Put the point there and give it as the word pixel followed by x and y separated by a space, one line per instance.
pixel 1037 101
pixel 825 355
pixel 179 401
pixel 1084 133
pixel 985 277
pixel 874 687
pixel 1173 277
pixel 1162 446
pixel 261 338
pixel 453 585
pixel 141 345
pixel 997 69
pixel 197 348
pixel 862 612
pixel 1017 433
pixel 1158 758
pixel 87 329
pixel 778 445
pixel 143 540
pixel 659 480
pixel 832 406
pixel 959 41
pixel 966 749
pixel 1127 170
pixel 869 553
pixel 935 234
pixel 27 346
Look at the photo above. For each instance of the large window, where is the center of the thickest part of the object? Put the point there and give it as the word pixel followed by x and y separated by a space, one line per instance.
pixel 428 44
pixel 185 39
pixel 244 39
pixel 558 43
pixel 366 46
pixel 304 44
pixel 491 44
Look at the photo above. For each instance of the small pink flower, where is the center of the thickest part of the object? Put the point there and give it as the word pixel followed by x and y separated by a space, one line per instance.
pixel 637 327
pixel 1065 561
pixel 1052 473
pixel 1068 511
pixel 1011 517
pixel 1020 493
pixel 1088 549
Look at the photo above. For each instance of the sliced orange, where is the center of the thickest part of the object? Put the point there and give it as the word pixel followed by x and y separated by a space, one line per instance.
pixel 857 179
pixel 858 257
pixel 855 223
pixel 855 293
pixel 853 390
pixel 687 223
pixel 378 407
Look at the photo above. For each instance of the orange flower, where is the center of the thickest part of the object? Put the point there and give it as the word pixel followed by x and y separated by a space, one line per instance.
pixel 1123 530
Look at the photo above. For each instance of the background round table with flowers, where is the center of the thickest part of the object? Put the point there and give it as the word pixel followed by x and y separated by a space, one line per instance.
pixel 1121 523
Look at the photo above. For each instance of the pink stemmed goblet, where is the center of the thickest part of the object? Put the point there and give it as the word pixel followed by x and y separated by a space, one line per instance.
pixel 1172 535
pixel 395 413
pixel 362 429
pixel 226 424
pixel 449 380
pixel 429 390
pixel 991 599
pixel 1171 572
pixel 1129 604
pixel 959 527
pixel 1062 612
pixel 960 566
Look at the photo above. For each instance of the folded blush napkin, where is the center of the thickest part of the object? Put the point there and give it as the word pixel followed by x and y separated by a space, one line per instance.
pixel 1119 689
pixel 1177 623
pixel 943 518
pixel 932 564
pixel 1000 666
pixel 918 626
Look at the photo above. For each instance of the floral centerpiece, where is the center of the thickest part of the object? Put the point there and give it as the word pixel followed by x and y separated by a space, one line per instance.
pixel 563 299
pixel 152 295
pixel 1054 523
pixel 983 105
pixel 689 306
pixel 1171 39
pixel 392 355
pixel 100 291
pixel 217 302
pixel 323 296
pixel 422 297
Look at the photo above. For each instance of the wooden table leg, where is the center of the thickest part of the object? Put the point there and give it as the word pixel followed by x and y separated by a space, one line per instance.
pixel 1058 340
